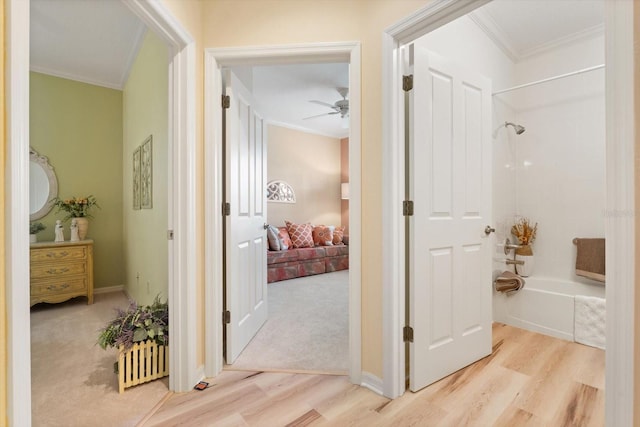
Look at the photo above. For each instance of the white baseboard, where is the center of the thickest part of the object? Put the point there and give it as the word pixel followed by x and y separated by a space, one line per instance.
pixel 372 382
pixel 108 289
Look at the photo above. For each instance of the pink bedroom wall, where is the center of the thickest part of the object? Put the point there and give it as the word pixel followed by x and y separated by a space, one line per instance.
pixel 309 163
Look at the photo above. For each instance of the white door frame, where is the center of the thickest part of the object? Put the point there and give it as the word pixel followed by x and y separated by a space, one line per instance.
pixel 182 287
pixel 215 60
pixel 620 217
pixel 183 328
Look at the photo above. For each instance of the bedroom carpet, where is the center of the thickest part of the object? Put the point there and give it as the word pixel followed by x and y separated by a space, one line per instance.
pixel 72 379
pixel 307 329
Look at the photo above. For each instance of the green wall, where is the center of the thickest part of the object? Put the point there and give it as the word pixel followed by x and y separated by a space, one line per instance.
pixel 145 112
pixel 79 128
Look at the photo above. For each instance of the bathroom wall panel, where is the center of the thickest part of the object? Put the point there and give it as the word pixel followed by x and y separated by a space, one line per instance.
pixel 560 167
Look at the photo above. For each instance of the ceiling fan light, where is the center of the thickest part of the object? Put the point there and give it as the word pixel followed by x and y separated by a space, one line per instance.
pixel 345 121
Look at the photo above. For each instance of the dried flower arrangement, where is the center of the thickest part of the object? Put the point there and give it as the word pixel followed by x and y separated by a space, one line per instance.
pixel 526 234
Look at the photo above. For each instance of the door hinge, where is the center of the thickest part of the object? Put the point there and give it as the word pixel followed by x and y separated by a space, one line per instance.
pixel 407 334
pixel 169 234
pixel 226 209
pixel 407 208
pixel 226 317
pixel 226 101
pixel 407 82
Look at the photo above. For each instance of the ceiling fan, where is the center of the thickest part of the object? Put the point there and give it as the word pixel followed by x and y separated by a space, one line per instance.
pixel 339 107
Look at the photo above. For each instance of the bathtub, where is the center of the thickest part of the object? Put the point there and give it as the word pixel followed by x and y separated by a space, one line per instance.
pixel 544 305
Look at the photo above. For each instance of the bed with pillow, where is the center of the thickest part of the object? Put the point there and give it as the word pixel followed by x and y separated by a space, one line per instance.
pixel 298 250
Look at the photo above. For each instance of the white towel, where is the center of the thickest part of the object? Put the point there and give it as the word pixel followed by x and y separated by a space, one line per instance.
pixel 590 321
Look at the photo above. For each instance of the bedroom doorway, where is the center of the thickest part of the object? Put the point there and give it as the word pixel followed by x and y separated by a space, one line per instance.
pixel 301 118
pixel 215 62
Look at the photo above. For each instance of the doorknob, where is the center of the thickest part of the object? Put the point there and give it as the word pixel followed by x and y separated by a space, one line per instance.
pixel 265 226
pixel 488 230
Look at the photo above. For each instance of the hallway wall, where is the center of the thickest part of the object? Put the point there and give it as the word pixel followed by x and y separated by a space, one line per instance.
pixel 145 113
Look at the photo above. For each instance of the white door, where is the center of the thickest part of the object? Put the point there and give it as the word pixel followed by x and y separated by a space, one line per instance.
pixel 245 240
pixel 450 184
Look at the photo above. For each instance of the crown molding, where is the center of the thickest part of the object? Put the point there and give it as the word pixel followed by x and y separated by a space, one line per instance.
pixel 133 53
pixel 588 33
pixel 75 77
pixel 337 135
pixel 490 27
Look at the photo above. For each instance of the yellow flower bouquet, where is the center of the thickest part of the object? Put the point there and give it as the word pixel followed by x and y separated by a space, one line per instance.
pixel 76 207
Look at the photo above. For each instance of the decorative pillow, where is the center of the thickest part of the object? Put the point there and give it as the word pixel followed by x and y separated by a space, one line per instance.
pixel 338 234
pixel 285 239
pixel 301 234
pixel 272 237
pixel 322 236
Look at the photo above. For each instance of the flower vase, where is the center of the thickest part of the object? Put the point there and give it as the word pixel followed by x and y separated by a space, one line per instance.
pixel 33 238
pixel 83 227
pixel 525 254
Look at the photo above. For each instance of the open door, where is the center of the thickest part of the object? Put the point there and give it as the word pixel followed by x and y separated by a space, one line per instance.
pixel 450 185
pixel 246 210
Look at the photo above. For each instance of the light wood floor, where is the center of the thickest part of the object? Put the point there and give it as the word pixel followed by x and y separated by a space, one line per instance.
pixel 529 380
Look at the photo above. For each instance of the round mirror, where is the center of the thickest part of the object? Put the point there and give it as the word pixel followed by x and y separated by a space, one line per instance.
pixel 43 185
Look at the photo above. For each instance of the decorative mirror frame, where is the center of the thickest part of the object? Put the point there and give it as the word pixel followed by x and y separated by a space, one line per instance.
pixel 280 192
pixel 43 161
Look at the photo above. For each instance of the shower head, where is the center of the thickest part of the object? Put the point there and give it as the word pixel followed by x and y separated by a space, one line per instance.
pixel 519 129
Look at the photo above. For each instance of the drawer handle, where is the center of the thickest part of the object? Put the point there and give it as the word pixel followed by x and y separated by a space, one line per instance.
pixel 54 287
pixel 54 271
pixel 54 255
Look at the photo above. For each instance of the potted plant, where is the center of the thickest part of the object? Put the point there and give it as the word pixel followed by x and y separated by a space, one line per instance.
pixel 526 234
pixel 78 207
pixel 34 229
pixel 141 335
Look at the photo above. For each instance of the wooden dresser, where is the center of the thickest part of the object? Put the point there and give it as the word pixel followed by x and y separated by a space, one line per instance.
pixel 60 271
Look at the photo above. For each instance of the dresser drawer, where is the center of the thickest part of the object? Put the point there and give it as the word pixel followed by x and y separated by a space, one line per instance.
pixel 61 271
pixel 58 254
pixel 53 287
pixel 53 270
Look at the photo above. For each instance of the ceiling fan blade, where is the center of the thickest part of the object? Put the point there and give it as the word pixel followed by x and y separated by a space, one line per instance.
pixel 320 115
pixel 326 104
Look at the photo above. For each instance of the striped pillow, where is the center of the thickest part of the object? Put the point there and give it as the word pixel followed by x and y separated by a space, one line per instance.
pixel 272 237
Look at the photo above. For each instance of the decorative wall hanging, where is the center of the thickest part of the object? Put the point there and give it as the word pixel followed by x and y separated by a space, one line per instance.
pixel 136 178
pixel 280 192
pixel 146 174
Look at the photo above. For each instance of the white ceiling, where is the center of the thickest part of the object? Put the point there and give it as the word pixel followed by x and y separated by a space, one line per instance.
pixel 92 41
pixel 96 41
pixel 525 27
pixel 282 94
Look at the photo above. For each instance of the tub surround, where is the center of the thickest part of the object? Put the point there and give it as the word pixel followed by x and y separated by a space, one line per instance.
pixel 544 305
